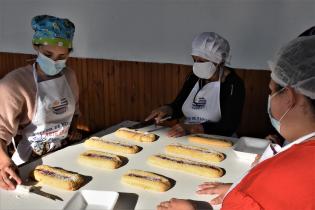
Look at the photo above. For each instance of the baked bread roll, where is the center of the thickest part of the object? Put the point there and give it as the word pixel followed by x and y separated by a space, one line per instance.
pixel 146 180
pixel 100 159
pixel 185 165
pixel 100 143
pixel 198 153
pixel 135 135
pixel 57 177
pixel 210 141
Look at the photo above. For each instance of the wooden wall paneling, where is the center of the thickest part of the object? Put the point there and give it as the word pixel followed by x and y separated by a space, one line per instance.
pixel 106 89
pixel 101 94
pixel 255 120
pixel 111 98
pixel 84 91
pixel 161 94
pixel 154 88
pixel 74 64
pixel 91 94
pixel 117 85
pixel 131 90
pixel 172 80
pixel 98 93
pixel 147 90
pixel 126 83
pixel 134 79
pixel 112 91
pixel 141 93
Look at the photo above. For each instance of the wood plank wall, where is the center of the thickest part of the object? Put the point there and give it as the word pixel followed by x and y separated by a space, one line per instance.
pixel 113 91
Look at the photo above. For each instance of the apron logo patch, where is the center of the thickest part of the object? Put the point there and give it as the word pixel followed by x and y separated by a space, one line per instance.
pixel 59 106
pixel 200 104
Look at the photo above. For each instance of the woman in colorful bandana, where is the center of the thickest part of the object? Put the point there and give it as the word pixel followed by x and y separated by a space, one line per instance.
pixel 39 102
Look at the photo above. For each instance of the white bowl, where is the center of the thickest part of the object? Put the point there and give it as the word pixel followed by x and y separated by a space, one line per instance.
pixel 92 199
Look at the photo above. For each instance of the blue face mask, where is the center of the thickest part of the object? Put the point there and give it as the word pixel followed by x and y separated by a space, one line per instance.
pixel 50 67
pixel 275 123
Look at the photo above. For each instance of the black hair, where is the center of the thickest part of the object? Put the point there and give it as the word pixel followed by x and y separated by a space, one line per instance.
pixel 278 87
pixel 308 32
pixel 312 103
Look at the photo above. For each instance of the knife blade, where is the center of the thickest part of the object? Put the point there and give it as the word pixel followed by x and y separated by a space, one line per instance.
pixel 38 191
pixel 142 124
pixel 23 189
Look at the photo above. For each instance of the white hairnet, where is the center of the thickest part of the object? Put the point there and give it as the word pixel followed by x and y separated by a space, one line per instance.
pixel 211 46
pixel 294 65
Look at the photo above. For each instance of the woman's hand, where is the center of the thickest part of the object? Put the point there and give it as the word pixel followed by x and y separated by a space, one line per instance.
pixel 182 129
pixel 160 113
pixel 8 172
pixel 210 188
pixel 176 204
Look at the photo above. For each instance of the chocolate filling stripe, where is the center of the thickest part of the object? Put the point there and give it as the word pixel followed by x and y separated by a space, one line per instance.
pixel 99 156
pixel 187 162
pixel 115 143
pixel 145 177
pixel 199 150
pixel 53 174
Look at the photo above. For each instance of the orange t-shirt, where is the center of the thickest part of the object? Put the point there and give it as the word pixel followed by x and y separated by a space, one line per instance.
pixel 286 181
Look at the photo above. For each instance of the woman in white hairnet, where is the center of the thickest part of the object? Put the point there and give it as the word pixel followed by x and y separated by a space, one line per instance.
pixel 212 97
pixel 284 179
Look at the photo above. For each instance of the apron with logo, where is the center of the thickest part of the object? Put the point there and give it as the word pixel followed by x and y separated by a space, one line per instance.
pixel 54 109
pixel 203 104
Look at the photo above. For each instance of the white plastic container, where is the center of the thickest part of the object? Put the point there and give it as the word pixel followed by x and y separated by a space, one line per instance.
pixel 92 199
pixel 247 147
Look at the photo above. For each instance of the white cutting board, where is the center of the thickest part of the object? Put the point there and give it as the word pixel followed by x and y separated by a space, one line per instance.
pixel 130 198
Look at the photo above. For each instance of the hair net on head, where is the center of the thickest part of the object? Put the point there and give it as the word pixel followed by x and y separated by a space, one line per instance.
pixel 294 65
pixel 211 46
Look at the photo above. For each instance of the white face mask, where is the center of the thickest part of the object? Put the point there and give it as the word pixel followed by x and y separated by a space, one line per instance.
pixel 275 123
pixel 49 66
pixel 204 70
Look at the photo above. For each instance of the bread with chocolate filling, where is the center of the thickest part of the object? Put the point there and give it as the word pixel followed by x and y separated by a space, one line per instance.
pixel 217 142
pixel 114 146
pixel 146 180
pixel 57 177
pixel 100 159
pixel 135 135
pixel 185 165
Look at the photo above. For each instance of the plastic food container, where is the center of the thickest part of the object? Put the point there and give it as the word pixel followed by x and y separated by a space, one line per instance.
pixel 247 147
pixel 92 199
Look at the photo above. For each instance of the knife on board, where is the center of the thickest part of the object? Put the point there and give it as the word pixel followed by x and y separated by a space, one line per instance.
pixel 148 123
pixel 142 124
pixel 23 189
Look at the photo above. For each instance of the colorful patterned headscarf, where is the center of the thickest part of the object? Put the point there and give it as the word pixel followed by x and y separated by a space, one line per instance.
pixel 50 30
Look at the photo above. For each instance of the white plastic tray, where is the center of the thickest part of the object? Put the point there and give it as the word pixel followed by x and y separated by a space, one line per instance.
pixel 247 148
pixel 92 200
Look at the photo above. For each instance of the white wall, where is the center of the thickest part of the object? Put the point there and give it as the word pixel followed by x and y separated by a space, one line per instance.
pixel 162 30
